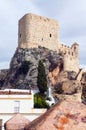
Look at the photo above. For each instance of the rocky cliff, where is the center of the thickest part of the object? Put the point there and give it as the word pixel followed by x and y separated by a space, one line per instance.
pixel 23 73
pixel 3 74
pixel 23 76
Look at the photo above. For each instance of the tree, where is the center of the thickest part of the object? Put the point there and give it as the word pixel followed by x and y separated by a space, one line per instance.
pixel 40 102
pixel 41 79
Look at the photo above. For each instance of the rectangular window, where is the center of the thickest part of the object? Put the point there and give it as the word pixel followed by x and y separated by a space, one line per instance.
pixel 16 106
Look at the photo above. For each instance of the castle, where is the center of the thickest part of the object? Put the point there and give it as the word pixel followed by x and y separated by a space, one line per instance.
pixel 37 31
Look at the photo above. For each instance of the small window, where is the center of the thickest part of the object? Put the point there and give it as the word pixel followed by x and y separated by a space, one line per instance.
pixel 50 35
pixel 20 35
pixel 16 106
pixel 72 53
pixel 42 39
pixel 74 48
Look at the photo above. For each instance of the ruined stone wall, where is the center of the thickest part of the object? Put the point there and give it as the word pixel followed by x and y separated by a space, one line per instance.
pixel 37 31
pixel 71 63
pixel 71 56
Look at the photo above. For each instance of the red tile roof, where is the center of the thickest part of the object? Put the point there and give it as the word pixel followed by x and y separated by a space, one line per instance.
pixel 67 115
pixel 2 92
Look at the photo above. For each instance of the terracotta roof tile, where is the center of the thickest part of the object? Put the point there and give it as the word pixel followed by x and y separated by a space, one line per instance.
pixel 17 122
pixel 67 115
pixel 2 92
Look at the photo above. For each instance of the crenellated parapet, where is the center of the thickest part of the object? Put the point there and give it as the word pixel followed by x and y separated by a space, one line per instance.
pixel 71 56
pixel 72 51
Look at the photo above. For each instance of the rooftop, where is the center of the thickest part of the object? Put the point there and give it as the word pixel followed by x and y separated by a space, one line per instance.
pixel 15 92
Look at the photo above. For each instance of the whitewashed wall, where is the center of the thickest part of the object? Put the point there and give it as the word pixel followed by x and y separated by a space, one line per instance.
pixel 7 104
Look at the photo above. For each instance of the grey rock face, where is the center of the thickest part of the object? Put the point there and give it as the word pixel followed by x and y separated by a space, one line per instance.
pixel 15 79
pixel 3 74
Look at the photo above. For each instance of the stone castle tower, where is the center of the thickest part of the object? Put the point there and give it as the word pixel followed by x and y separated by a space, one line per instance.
pixel 37 31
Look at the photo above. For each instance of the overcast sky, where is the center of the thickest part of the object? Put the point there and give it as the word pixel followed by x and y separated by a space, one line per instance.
pixel 71 15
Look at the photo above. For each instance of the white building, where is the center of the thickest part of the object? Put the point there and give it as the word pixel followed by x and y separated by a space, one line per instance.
pixel 17 101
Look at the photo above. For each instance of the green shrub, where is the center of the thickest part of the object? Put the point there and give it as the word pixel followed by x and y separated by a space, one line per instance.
pixel 40 102
pixel 41 79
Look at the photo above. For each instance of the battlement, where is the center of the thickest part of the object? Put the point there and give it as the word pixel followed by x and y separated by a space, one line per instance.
pixel 70 51
pixel 71 56
pixel 37 31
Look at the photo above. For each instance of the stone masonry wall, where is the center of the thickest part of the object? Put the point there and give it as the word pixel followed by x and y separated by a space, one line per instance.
pixel 37 31
pixel 71 56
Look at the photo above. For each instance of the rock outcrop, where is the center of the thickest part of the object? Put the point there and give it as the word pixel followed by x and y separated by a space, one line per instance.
pixel 18 77
pixel 3 74
pixel 67 87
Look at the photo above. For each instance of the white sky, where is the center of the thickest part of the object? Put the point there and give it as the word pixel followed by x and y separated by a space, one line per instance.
pixel 71 15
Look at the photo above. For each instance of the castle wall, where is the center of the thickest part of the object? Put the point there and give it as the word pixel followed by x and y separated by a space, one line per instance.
pixel 37 31
pixel 71 56
pixel 71 63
